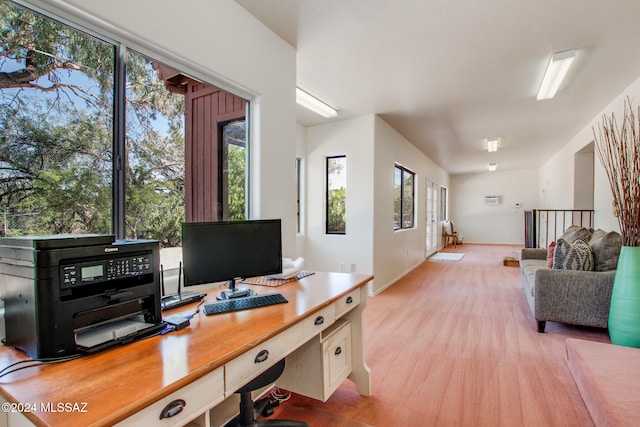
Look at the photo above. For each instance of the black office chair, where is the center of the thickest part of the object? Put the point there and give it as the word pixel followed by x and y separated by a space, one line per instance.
pixel 250 410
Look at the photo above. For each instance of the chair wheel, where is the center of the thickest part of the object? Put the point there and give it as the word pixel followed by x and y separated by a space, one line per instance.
pixel 267 411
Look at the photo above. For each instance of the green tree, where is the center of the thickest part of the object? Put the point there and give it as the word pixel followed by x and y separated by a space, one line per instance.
pixel 155 202
pixel 235 142
pixel 337 211
pixel 56 120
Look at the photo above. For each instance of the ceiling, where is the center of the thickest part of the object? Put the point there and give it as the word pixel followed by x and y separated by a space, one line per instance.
pixel 449 74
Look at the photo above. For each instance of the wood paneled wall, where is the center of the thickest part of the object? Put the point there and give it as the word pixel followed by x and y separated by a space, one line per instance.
pixel 206 107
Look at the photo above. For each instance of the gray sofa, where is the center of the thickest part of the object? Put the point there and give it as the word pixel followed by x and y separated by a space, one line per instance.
pixel 576 297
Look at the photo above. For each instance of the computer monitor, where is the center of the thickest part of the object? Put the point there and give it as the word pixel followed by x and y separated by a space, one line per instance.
pixel 229 250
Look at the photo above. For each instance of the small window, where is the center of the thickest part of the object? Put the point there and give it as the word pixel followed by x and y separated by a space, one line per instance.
pixel 298 194
pixel 444 214
pixel 336 203
pixel 403 198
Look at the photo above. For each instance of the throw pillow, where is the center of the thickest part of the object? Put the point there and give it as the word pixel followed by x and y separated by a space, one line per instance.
pixel 606 249
pixel 550 251
pixel 573 256
pixel 575 232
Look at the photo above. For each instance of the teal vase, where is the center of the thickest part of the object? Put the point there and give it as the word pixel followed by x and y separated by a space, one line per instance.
pixel 624 315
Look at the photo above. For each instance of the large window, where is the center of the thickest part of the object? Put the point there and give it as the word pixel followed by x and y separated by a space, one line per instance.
pixel 56 121
pixel 336 196
pixel 93 137
pixel 403 198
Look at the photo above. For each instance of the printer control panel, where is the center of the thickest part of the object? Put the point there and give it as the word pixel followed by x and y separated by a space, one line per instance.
pixel 99 271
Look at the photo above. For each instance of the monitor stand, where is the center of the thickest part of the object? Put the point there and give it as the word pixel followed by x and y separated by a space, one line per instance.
pixel 233 292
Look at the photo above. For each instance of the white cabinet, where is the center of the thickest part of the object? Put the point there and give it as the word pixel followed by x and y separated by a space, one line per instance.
pixel 317 368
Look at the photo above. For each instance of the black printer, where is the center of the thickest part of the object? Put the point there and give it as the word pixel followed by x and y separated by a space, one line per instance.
pixel 67 294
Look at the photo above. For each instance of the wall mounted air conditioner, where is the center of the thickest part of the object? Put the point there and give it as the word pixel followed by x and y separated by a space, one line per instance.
pixel 492 200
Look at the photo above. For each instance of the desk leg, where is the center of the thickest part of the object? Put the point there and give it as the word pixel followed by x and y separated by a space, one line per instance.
pixel 360 374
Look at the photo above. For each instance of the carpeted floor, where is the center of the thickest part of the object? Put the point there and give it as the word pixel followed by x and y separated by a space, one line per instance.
pixel 455 344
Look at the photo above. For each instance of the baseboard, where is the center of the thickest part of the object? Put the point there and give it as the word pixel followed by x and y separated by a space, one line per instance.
pixel 395 279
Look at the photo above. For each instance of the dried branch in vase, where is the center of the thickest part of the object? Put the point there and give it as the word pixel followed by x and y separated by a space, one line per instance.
pixel 619 151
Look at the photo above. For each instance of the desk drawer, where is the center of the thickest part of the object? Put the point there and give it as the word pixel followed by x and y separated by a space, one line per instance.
pixel 249 365
pixel 198 397
pixel 347 302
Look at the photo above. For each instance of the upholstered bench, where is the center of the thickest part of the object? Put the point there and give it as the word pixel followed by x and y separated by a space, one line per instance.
pixel 607 378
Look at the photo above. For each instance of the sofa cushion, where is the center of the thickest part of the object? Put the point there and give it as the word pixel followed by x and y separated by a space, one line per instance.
pixel 575 232
pixel 529 268
pixel 573 256
pixel 606 249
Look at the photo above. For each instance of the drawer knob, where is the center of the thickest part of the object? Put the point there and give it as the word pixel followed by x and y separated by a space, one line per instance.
pixel 338 351
pixel 262 356
pixel 319 320
pixel 173 408
pixel 349 300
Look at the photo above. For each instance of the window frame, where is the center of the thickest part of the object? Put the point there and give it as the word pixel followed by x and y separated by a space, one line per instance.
pixel 223 173
pixel 298 195
pixel 327 196
pixel 404 172
pixel 444 203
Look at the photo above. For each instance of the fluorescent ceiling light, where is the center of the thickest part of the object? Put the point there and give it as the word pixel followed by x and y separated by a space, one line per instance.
pixel 492 167
pixel 314 104
pixel 492 145
pixel 555 74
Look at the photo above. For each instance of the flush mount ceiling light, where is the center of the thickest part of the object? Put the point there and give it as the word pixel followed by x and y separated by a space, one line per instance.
pixel 492 145
pixel 492 167
pixel 314 104
pixel 555 74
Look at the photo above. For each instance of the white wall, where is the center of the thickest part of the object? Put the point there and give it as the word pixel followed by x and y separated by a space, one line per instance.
pixel 372 148
pixel 397 252
pixel 501 224
pixel 354 139
pixel 221 43
pixel 583 179
pixel 558 172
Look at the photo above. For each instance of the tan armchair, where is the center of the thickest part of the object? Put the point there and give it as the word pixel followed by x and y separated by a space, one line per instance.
pixel 448 234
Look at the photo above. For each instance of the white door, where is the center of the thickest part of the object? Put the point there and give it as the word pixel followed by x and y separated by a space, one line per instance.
pixel 431 219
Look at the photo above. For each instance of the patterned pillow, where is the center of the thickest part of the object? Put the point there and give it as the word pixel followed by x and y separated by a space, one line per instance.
pixel 573 256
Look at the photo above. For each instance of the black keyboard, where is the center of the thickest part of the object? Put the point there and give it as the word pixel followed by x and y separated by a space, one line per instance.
pixel 246 303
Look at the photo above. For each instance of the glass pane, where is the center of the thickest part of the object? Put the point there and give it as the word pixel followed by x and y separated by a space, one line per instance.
pixel 155 155
pixel 443 203
pixel 337 195
pixel 234 137
pixel 56 133
pixel 407 200
pixel 397 199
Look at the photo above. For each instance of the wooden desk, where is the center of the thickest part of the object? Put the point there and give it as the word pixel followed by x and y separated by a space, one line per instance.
pixel 203 364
